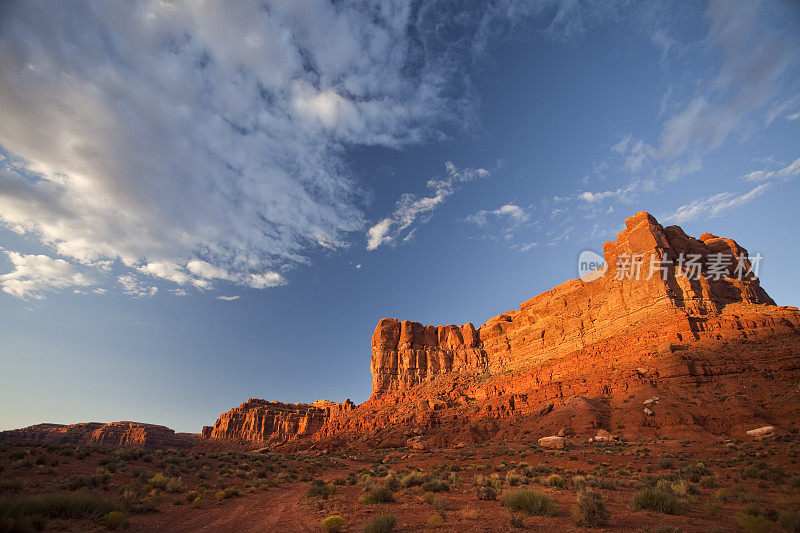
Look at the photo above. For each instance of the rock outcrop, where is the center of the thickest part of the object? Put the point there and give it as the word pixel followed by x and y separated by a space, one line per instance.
pixel 682 288
pixel 114 434
pixel 260 421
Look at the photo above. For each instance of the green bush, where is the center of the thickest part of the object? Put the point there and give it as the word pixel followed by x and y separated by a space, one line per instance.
pixel 379 495
pixel 556 481
pixel 590 510
pixel 383 523
pixel 660 500
pixel 530 502
pixel 333 524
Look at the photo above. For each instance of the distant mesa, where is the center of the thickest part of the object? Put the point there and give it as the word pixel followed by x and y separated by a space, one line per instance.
pixel 114 434
pixel 706 340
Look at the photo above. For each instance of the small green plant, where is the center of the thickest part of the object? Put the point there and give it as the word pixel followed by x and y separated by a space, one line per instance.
pixel 555 480
pixel 383 523
pixel 333 524
pixel 590 510
pixel 530 502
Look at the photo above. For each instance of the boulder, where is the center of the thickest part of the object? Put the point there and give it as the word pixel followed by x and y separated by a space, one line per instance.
pixel 762 432
pixel 418 445
pixel 554 442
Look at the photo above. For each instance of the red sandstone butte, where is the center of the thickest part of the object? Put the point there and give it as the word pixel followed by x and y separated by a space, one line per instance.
pixel 114 434
pixel 714 350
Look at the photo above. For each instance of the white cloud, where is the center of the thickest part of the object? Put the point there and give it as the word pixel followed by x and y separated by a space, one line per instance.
pixel 228 298
pixel 133 286
pixel 358 267
pixel 714 206
pixel 266 280
pixel 791 170
pixel 35 274
pixel 410 207
pixel 201 142
pixel 625 194
pixel 510 212
pixel 528 247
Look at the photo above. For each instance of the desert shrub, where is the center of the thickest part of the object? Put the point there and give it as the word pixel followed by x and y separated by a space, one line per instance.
pixel 555 480
pixel 723 495
pixel 435 485
pixel 712 509
pixel 435 520
pixel 224 494
pixel 530 502
pixel 579 481
pixel 516 521
pixel 321 489
pixel 174 485
pixel 333 524
pixel 10 485
pixel 590 510
pixel 415 478
pixel 379 495
pixel 197 502
pixel 658 499
pixel 790 521
pixel 158 481
pixel 383 523
pixel 483 481
pixel 487 493
pixel 65 505
pixel 113 520
pixel 754 523
pixel 513 478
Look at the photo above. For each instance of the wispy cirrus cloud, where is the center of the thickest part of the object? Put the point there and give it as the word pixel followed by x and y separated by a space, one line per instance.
pixel 411 209
pixel 789 171
pixel 716 205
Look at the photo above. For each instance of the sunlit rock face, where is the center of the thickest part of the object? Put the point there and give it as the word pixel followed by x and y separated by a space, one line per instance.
pixel 672 299
pixel 675 338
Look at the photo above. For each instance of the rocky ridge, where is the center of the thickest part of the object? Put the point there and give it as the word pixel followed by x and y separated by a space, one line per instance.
pixel 114 434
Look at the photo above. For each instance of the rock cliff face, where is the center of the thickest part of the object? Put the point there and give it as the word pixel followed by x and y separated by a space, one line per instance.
pixel 686 283
pixel 133 434
pixel 676 318
pixel 260 421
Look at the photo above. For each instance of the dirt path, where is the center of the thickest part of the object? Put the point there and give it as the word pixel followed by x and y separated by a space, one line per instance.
pixel 276 509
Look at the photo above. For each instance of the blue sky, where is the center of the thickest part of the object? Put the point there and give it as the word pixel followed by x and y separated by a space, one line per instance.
pixel 200 205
